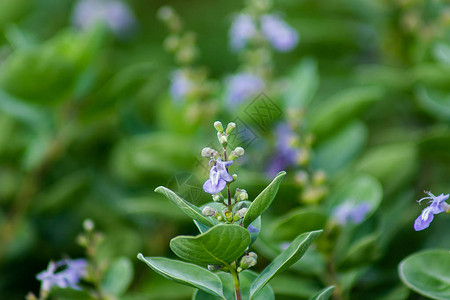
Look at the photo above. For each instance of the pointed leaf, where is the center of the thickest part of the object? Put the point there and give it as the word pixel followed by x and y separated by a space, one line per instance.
pixel 189 209
pixel 118 277
pixel 263 201
pixel 185 273
pixel 324 294
pixel 283 261
pixel 427 273
pixel 221 244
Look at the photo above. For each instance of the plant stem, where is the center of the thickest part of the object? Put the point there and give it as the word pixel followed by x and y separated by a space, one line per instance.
pixel 237 288
pixel 228 184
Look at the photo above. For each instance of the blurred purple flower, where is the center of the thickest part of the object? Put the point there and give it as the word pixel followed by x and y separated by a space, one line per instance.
pixel 349 212
pixel 69 274
pixel 218 177
pixel 243 86
pixel 280 35
pixel 181 85
pixel 115 14
pixel 437 206
pixel 285 154
pixel 242 30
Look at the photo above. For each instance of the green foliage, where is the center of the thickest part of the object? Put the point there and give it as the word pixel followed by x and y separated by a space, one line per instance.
pixel 426 272
pixel 118 277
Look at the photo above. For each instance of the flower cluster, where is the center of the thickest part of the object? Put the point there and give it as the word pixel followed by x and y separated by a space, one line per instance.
pixel 243 86
pixel 437 205
pixel 349 212
pixel 272 28
pixel 64 273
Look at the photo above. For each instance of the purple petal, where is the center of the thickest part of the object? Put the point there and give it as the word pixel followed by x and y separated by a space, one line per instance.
pixel 421 224
pixel 209 188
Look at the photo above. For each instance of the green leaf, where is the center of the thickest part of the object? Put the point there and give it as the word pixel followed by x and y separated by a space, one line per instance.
pixel 220 245
pixel 324 294
pixel 185 273
pixel 435 102
pixel 298 221
pixel 283 261
pixel 118 277
pixel 427 273
pixel 263 201
pixel 293 286
pixel 341 108
pixel 245 278
pixel 304 84
pixel 189 209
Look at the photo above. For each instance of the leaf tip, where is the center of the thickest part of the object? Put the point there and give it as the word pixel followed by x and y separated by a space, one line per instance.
pixel 140 257
pixel 158 189
pixel 282 173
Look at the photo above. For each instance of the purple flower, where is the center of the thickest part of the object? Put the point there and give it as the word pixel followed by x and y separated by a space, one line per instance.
pixel 286 154
pixel 243 86
pixel 280 35
pixel 218 177
pixel 69 274
pixel 349 212
pixel 181 85
pixel 437 206
pixel 242 30
pixel 115 14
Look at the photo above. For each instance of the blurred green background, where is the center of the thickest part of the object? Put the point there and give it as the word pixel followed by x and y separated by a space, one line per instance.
pixel 88 128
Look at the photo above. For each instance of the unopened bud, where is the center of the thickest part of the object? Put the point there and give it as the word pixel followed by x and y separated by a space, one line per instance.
pixel 218 126
pixel 319 177
pixel 234 177
pixel 229 216
pixel 165 13
pixel 243 195
pixel 241 205
pixel 88 225
pixel 239 151
pixel 301 178
pixel 241 213
pixel 249 260
pixel 230 127
pixel 31 296
pixel 171 43
pixel 208 211
pixel 218 198
pixel 208 152
pixel 222 139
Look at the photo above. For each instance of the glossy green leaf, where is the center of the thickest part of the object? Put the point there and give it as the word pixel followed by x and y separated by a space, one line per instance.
pixel 118 277
pixel 185 273
pixel 341 108
pixel 221 244
pixel 189 209
pixel 427 273
pixel 324 294
pixel 246 278
pixel 263 200
pixel 283 261
pixel 298 221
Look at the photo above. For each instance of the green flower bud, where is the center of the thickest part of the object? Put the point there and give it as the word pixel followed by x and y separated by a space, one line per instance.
pixel 218 126
pixel 319 177
pixel 88 225
pixel 249 260
pixel 241 213
pixel 234 177
pixel 171 43
pixel 208 152
pixel 217 198
pixel 230 127
pixel 239 151
pixel 208 211
pixel 223 140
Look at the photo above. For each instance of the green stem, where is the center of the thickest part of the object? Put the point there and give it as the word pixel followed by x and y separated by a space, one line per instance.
pixel 237 288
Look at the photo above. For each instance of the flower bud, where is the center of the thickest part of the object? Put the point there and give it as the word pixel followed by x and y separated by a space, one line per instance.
pixel 208 152
pixel 171 43
pixel 241 205
pixel 301 178
pixel 234 177
pixel 165 13
pixel 239 151
pixel 230 127
pixel 249 260
pixel 218 126
pixel 208 211
pixel 223 140
pixel 243 195
pixel 319 177
pixel 88 225
pixel 217 198
pixel 241 213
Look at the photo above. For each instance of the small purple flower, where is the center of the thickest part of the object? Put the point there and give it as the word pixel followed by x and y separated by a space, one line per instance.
pixel 242 30
pixel 218 177
pixel 286 154
pixel 181 85
pixel 437 206
pixel 349 212
pixel 243 86
pixel 114 13
pixel 69 274
pixel 280 35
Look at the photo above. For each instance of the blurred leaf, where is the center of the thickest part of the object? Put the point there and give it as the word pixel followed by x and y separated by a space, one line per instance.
pixel 340 109
pixel 12 10
pixel 442 52
pixel 339 150
pixel 246 278
pixel 70 294
pixel 361 252
pixel 427 273
pixel 302 85
pixel 435 103
pixel 185 273
pixel 220 245
pixel 189 209
pixel 263 200
pixel 283 261
pixel 293 286
pixel 298 221
pixel 324 294
pixel 393 164
pixel 118 277
pixel 432 75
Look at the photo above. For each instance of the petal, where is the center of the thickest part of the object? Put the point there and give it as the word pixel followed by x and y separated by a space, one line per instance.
pixel 225 176
pixel 230 162
pixel 421 223
pixel 212 189
pixel 208 187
